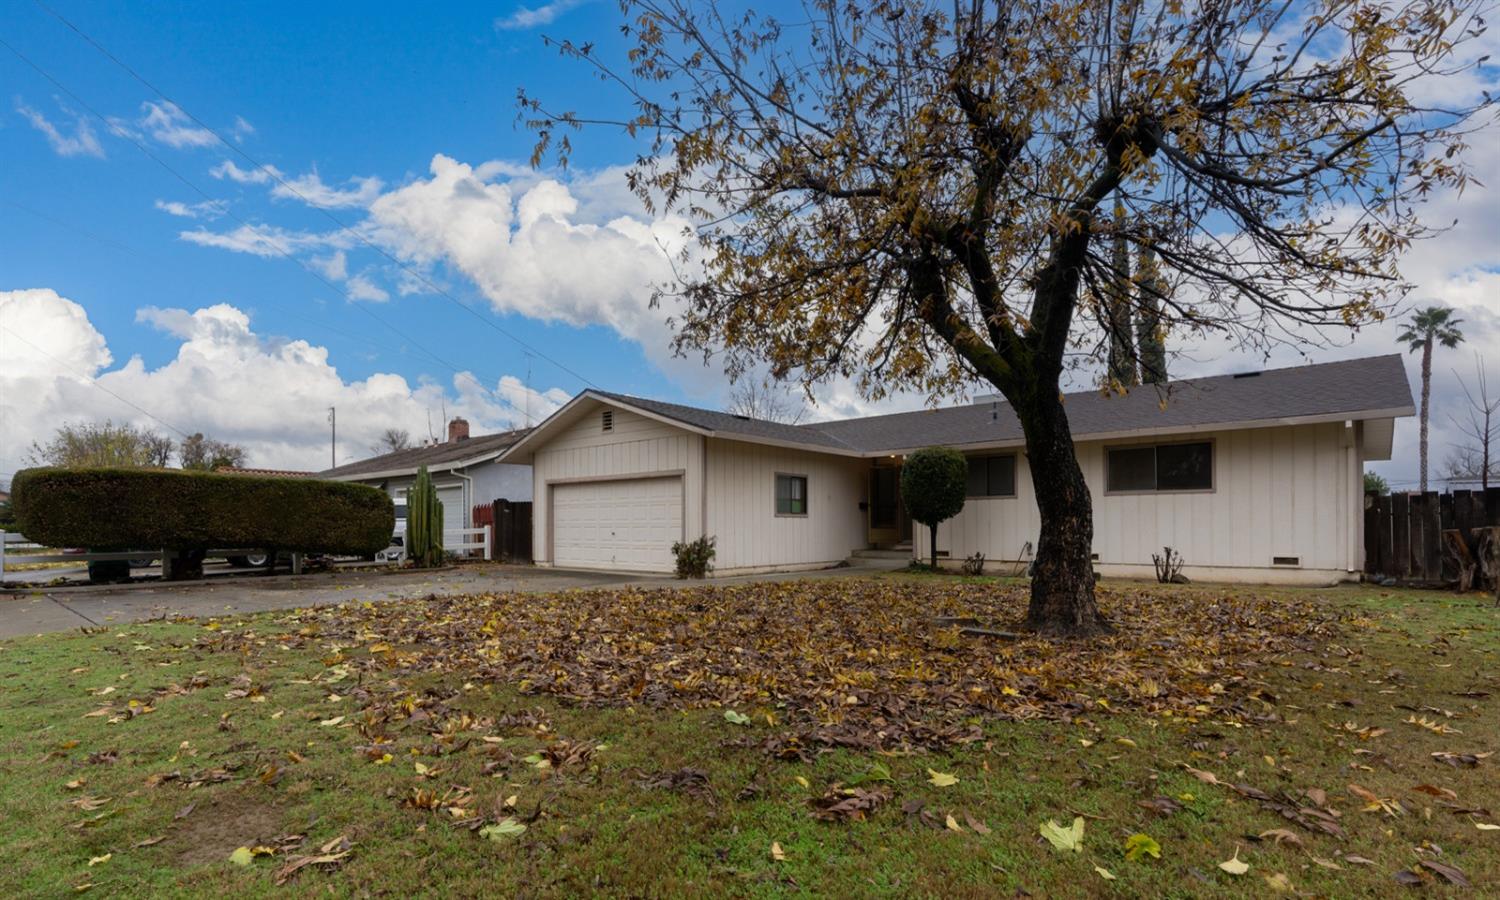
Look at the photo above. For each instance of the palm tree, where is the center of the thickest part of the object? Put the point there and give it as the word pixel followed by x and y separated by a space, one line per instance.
pixel 1435 324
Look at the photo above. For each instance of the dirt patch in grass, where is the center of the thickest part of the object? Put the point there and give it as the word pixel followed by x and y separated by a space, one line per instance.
pixel 848 663
pixel 217 825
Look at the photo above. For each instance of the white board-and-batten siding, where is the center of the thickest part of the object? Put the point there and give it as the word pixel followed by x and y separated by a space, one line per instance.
pixel 741 506
pixel 635 446
pixel 1293 491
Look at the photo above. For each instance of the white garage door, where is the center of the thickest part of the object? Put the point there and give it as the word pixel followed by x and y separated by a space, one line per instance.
pixel 629 525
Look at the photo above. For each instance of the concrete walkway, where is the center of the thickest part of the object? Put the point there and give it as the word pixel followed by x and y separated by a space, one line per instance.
pixel 43 610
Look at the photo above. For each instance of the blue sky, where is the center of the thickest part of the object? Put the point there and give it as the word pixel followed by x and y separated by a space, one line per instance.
pixel 401 123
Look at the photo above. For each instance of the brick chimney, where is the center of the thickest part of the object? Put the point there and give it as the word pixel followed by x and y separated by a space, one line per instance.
pixel 458 430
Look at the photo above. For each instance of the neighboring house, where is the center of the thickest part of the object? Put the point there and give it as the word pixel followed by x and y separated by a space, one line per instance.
pixel 465 470
pixel 274 473
pixel 1252 477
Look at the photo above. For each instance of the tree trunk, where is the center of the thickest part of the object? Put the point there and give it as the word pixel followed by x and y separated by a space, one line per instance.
pixel 933 527
pixel 1426 396
pixel 1062 580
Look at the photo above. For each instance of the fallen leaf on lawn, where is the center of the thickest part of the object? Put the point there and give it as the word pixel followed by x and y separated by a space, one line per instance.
pixel 802 780
pixel 332 853
pixel 1162 806
pixel 1104 873
pixel 978 826
pixel 1124 742
pixel 1326 863
pixel 1374 803
pixel 99 860
pixel 75 784
pixel 1280 884
pixel 1435 791
pixel 1064 839
pixel 506 827
pixel 1358 860
pixel 1139 845
pixel 941 779
pixel 242 856
pixel 1451 874
pixel 1486 826
pixel 777 854
pixel 1280 835
pixel 1203 776
pixel 736 718
pixel 844 804
pixel 1234 865
pixel 1432 726
pixel 1456 760
pixel 150 842
pixel 952 823
pixel 329 723
pixel 1407 877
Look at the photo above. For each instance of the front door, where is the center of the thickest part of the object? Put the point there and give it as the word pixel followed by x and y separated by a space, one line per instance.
pixel 889 523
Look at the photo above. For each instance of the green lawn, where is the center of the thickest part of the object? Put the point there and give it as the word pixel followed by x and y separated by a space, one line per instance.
pixel 398 748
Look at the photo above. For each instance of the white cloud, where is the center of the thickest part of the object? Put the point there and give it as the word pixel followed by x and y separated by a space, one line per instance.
pixel 45 335
pixel 362 288
pixel 225 380
pixel 335 267
pixel 207 209
pixel 527 17
pixel 82 142
pixel 227 169
pixel 311 190
pixel 241 128
pixel 527 253
pixel 168 124
pixel 265 240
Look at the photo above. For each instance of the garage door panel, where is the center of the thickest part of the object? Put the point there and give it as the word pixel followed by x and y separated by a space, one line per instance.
pixel 628 524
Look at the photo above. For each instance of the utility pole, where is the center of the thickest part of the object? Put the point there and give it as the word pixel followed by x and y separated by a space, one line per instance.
pixel 333 438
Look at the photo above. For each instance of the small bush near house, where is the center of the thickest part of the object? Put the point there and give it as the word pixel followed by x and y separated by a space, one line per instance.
pixel 694 558
pixel 974 565
pixel 189 512
pixel 934 481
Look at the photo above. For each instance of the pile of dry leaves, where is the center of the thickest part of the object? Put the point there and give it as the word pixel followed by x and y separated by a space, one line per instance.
pixel 849 662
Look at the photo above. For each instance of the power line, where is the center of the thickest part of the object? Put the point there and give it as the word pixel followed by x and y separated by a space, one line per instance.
pixel 201 193
pixel 276 176
pixel 95 382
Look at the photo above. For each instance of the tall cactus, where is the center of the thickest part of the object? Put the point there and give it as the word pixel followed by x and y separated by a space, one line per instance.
pixel 424 522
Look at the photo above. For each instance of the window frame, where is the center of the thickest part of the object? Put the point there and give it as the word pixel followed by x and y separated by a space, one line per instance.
pixel 776 495
pixel 1015 476
pixel 1213 467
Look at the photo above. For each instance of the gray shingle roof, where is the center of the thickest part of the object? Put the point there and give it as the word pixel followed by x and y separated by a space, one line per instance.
pixel 443 455
pixel 1346 388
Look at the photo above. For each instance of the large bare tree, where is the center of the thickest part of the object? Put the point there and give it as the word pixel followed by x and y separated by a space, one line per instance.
pixel 918 194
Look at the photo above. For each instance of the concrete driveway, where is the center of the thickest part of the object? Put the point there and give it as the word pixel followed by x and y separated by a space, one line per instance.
pixel 44 609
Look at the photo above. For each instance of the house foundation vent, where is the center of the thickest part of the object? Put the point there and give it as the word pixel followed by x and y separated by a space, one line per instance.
pixel 1286 560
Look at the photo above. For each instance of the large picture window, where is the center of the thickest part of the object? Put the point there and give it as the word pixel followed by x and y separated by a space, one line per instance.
pixel 1164 467
pixel 791 495
pixel 992 476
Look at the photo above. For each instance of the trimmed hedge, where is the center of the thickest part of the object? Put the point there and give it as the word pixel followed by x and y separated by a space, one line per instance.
pixel 139 509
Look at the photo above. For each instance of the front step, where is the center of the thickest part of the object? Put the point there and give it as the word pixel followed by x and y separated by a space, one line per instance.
pixel 880 559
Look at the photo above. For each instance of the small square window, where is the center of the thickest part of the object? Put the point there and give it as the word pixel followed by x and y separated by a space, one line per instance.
pixel 992 476
pixel 607 420
pixel 791 495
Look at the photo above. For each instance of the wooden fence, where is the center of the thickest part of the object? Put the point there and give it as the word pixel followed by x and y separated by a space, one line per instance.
pixel 1404 532
pixel 511 531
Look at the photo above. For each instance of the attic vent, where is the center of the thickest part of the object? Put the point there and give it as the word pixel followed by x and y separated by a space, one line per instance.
pixel 1247 375
pixel 1286 560
pixel 607 420
pixel 738 416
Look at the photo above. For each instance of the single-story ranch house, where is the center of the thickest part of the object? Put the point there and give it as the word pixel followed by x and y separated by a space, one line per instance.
pixel 465 470
pixel 1253 477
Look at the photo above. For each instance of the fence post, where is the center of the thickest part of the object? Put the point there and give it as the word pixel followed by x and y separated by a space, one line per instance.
pixel 2 551
pixel 488 535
